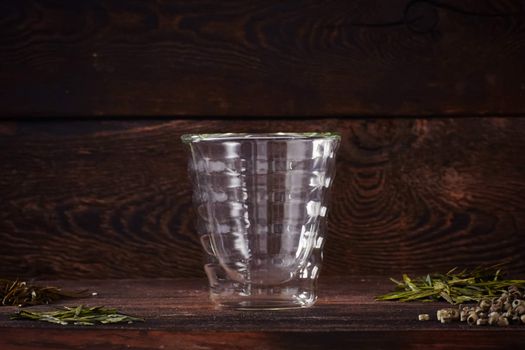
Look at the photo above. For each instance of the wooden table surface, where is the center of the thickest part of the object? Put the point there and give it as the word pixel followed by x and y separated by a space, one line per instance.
pixel 179 316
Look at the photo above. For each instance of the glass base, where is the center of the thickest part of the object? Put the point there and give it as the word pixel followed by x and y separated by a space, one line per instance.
pixel 247 297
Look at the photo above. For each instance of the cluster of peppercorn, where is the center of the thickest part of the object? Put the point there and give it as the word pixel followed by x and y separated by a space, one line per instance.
pixel 508 308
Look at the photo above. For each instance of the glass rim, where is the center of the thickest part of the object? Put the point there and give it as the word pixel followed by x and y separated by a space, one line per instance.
pixel 191 138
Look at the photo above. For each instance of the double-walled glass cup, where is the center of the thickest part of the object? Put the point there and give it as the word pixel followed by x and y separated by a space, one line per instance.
pixel 261 203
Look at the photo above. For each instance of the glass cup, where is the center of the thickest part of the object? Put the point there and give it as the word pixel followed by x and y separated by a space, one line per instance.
pixel 261 203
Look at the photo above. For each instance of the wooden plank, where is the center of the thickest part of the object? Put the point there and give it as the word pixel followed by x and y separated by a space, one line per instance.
pixel 111 199
pixel 179 316
pixel 148 58
pixel 24 339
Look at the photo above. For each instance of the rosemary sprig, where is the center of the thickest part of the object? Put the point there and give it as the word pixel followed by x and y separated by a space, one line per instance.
pixel 78 315
pixel 455 286
pixel 20 293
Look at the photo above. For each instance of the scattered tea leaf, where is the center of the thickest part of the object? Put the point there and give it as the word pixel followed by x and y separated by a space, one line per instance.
pixel 78 315
pixel 20 293
pixel 454 287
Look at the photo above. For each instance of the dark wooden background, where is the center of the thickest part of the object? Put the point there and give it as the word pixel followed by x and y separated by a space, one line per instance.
pixel 272 58
pixel 95 94
pixel 112 199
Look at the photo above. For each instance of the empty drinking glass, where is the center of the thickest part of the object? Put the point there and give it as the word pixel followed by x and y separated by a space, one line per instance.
pixel 261 202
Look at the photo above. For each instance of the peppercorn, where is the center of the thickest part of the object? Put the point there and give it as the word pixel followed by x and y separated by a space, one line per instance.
pixel 423 317
pixel 484 305
pixel 514 290
pixel 481 322
pixel 472 318
pixel 507 306
pixel 503 321
pixel 493 318
pixel 463 315
pixel 496 306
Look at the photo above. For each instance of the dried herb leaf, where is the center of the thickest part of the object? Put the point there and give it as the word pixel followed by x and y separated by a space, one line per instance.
pixel 20 293
pixel 454 287
pixel 79 315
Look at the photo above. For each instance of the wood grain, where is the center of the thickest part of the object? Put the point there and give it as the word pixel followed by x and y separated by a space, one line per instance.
pixel 266 58
pixel 111 199
pixel 55 339
pixel 179 316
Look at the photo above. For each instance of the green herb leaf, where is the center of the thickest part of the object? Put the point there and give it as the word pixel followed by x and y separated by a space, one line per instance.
pixel 454 287
pixel 79 315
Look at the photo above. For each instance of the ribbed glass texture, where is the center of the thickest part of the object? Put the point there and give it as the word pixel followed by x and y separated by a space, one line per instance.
pixel 261 203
